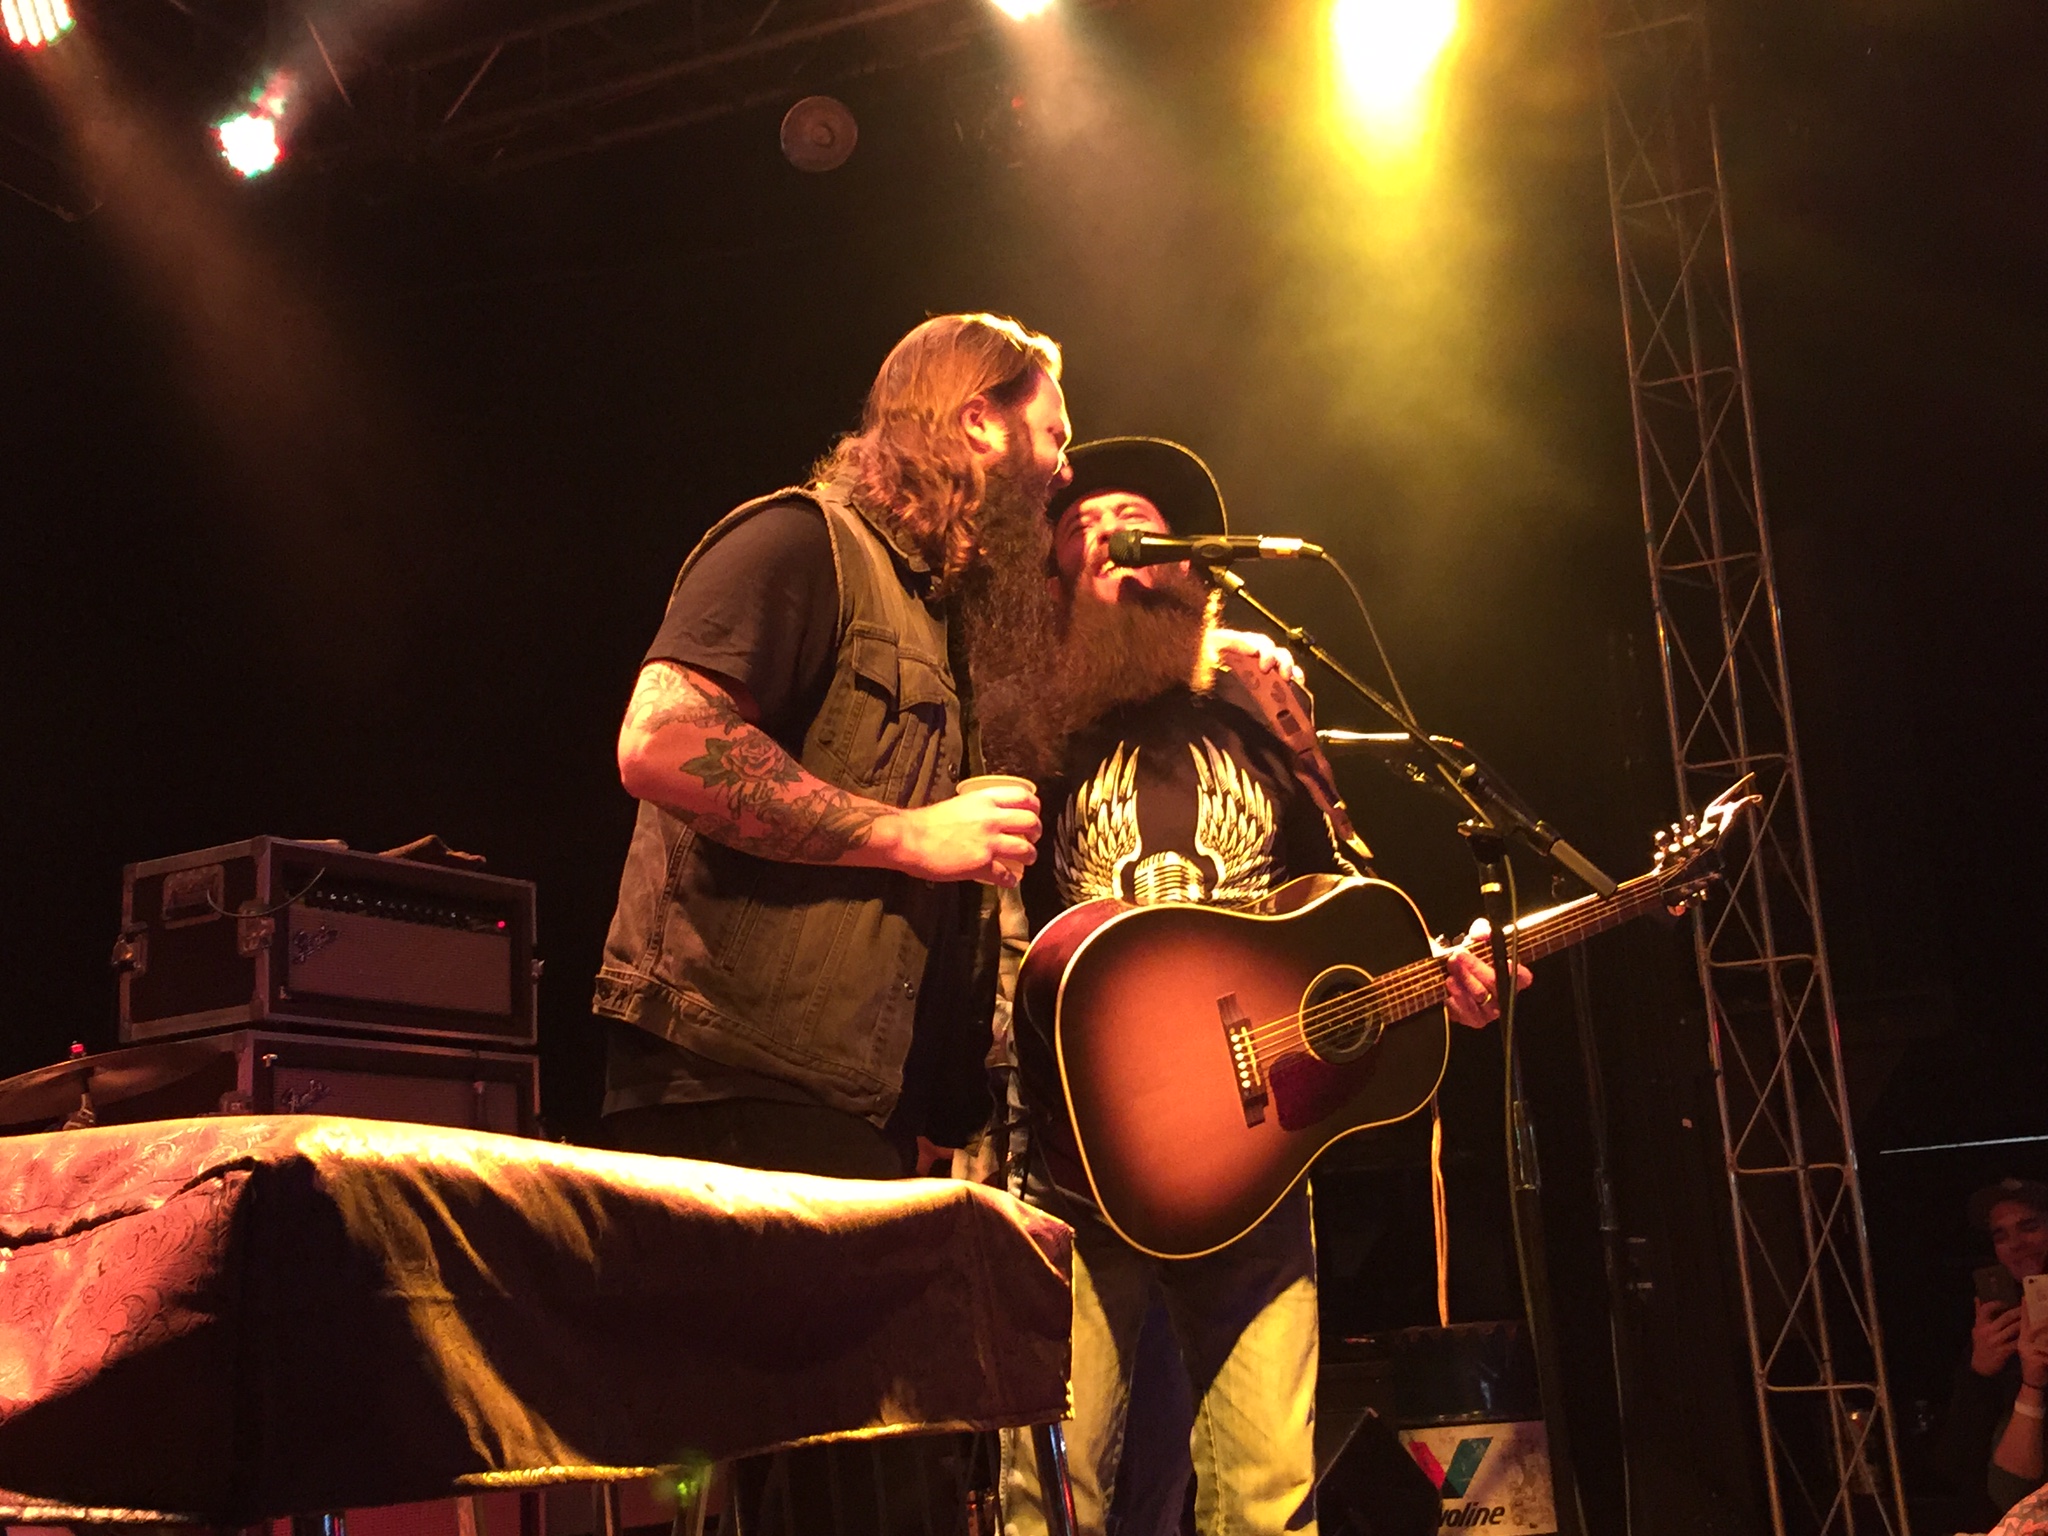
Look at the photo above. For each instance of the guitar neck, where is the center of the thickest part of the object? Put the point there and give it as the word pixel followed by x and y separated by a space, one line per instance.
pixel 1537 936
pixel 1542 934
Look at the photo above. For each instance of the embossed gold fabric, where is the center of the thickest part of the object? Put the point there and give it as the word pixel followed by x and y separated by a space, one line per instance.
pixel 249 1317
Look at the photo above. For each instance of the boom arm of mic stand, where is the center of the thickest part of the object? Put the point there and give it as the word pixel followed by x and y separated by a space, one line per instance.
pixel 1462 774
pixel 1531 830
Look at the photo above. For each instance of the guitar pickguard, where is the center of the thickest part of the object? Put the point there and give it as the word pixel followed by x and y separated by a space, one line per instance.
pixel 1306 1088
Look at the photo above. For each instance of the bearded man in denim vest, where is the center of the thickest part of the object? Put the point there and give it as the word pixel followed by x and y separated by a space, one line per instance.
pixel 800 969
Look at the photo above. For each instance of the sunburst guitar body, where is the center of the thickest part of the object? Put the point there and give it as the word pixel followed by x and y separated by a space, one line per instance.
pixel 1209 1055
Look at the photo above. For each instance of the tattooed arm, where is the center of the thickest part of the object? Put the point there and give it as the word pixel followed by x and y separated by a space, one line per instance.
pixel 687 744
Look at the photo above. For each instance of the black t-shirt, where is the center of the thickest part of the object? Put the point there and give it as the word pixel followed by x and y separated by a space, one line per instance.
pixel 1185 797
pixel 760 608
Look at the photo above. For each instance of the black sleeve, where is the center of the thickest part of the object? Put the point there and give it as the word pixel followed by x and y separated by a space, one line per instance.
pixel 761 607
pixel 1976 1404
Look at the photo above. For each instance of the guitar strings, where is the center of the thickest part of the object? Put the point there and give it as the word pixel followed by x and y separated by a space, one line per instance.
pixel 1393 996
pixel 1398 994
pixel 1421 983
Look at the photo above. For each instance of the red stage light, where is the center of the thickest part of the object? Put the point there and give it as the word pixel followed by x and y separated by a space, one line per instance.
pixel 32 23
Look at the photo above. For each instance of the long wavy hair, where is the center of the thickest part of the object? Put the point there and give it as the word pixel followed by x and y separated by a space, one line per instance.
pixel 909 464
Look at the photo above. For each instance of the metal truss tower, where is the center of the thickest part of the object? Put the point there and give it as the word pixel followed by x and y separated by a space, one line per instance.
pixel 1830 1456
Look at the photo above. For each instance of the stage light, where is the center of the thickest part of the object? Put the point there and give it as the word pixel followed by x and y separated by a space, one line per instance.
pixel 1022 10
pixel 32 23
pixel 249 142
pixel 1387 51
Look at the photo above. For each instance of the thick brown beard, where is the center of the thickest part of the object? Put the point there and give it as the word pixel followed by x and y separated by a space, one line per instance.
pixel 1108 654
pixel 1009 614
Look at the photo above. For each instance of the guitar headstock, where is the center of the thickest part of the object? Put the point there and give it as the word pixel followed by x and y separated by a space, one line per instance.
pixel 1689 851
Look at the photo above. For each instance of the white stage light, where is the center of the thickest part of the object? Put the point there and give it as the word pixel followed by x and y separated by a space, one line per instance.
pixel 34 23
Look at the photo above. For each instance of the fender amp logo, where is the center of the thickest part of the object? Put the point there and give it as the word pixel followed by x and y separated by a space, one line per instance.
pixel 308 942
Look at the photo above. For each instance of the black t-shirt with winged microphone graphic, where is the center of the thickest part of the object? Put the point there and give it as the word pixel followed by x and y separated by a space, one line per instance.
pixel 1184 797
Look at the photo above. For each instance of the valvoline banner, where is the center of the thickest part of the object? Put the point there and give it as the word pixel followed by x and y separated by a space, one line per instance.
pixel 1493 1477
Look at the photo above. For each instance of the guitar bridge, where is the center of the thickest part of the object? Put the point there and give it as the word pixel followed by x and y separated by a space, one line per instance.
pixel 1244 1059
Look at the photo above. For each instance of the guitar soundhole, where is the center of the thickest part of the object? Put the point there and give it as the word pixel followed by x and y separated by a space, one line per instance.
pixel 1335 1016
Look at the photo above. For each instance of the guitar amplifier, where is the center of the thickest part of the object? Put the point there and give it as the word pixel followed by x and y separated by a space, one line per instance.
pixel 318 936
pixel 262 1072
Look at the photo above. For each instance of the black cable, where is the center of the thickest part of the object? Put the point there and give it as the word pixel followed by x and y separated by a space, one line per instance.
pixel 1610 1231
pixel 1372 629
pixel 1521 1158
pixel 1509 994
pixel 1508 998
pixel 299 895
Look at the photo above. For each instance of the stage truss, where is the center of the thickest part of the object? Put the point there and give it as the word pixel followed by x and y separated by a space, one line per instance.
pixel 1830 1455
pixel 592 77
pixel 485 86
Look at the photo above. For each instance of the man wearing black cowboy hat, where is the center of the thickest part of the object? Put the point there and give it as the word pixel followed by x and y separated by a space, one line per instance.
pixel 1174 762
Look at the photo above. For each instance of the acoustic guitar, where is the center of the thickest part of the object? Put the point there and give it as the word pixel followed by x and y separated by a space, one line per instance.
pixel 1210 1054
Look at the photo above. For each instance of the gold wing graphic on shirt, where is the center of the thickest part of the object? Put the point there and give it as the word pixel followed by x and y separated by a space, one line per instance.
pixel 1098 832
pixel 1234 825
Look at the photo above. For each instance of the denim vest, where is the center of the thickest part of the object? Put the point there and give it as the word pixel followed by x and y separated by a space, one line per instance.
pixel 806 972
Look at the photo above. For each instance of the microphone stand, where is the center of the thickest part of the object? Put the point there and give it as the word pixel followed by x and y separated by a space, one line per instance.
pixel 1496 816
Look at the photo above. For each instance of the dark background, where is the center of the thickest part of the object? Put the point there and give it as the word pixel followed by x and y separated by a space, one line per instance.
pixel 343 505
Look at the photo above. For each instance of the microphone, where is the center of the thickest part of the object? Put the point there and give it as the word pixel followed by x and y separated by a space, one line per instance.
pixel 1131 549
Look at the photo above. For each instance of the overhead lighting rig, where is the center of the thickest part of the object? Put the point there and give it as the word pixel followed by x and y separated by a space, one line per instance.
pixel 552 79
pixel 35 23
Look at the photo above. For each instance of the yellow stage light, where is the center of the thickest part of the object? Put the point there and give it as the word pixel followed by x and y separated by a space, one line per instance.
pixel 1022 10
pixel 1387 52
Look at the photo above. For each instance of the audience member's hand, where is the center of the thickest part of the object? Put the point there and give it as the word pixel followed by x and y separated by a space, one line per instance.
pixel 1994 1337
pixel 2034 1357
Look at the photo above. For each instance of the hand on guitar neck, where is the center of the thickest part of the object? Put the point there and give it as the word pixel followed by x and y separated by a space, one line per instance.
pixel 1468 980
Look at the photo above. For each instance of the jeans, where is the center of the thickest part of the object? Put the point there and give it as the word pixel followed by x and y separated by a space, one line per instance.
pixel 1245 1322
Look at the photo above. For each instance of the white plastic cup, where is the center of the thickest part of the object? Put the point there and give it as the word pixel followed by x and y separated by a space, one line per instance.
pixel 999 781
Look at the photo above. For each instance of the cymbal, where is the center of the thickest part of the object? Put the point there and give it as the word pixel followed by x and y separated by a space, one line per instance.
pixel 52 1092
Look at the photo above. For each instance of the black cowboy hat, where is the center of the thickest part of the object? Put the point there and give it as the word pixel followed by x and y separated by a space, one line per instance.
pixel 1174 479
